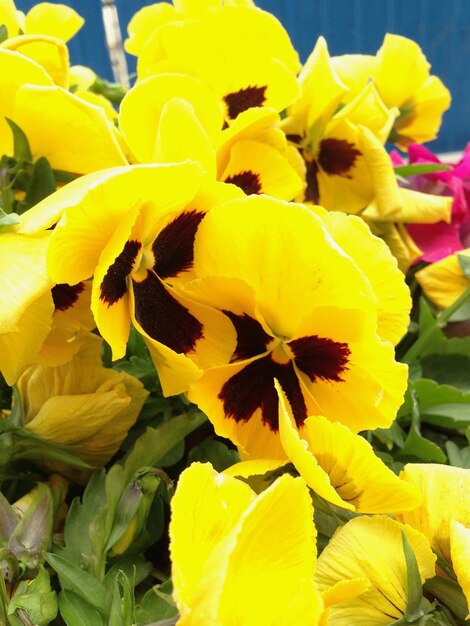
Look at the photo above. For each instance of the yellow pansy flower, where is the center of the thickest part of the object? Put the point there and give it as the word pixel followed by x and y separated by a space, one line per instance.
pixel 238 557
pixel 81 404
pixel 293 321
pixel 45 18
pixel 242 54
pixel 444 282
pixel 329 136
pixel 401 73
pixel 136 246
pixel 173 117
pixel 366 557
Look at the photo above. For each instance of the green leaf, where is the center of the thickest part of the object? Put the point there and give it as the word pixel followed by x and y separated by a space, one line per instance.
pixel 464 262
pixel 75 611
pixel 447 369
pixel 440 405
pixel 155 443
pixel 449 593
pixel 157 604
pixel 35 600
pixel 414 608
pixel 83 584
pixel 22 151
pixel 415 169
pixel 458 457
pixel 215 452
pixel 7 220
pixel 416 445
pixel 41 183
pixel 3 33
pixel 135 567
pixel 122 605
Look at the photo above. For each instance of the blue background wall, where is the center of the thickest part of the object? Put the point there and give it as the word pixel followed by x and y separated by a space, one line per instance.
pixel 442 29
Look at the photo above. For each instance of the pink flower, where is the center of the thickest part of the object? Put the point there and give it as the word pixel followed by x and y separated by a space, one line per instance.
pixel 439 240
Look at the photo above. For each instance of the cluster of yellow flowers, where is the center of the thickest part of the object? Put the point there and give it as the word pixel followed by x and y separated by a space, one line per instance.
pixel 229 213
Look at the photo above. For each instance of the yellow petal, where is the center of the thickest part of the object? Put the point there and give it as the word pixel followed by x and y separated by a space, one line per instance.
pixel 354 70
pixel 81 139
pixel 245 469
pixel 142 108
pixel 49 52
pixel 255 167
pixel 181 136
pixel 446 496
pixel 371 548
pixel 15 71
pixel 373 257
pixel 144 23
pixel 206 507
pixel 81 76
pixel 9 17
pixel 55 20
pixel 444 281
pixel 460 552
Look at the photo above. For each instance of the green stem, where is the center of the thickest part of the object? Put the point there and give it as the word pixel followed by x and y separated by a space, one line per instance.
pixel 441 320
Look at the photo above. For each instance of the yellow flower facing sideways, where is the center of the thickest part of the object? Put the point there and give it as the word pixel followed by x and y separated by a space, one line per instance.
pixel 133 229
pixel 81 404
pixel 172 117
pixel 444 514
pixel 444 282
pixel 362 572
pixel 239 558
pixel 45 18
pixel 401 74
pixel 273 269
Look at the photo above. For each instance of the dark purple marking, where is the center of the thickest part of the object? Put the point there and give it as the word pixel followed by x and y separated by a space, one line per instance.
pixel 337 156
pixel 320 357
pixel 246 98
pixel 163 318
pixel 312 190
pixel 253 388
pixel 294 138
pixel 114 284
pixel 174 246
pixel 64 296
pixel 247 180
pixel 252 340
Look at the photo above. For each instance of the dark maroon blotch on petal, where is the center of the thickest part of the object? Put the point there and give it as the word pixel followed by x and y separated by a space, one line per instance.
pixel 248 181
pixel 114 284
pixel 65 296
pixel 253 388
pixel 244 99
pixel 312 190
pixel 252 340
pixel 174 246
pixel 320 357
pixel 337 156
pixel 163 318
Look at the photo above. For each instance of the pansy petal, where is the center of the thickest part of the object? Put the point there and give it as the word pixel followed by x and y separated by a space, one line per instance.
pixel 446 496
pixel 373 257
pixel 21 344
pixel 144 22
pixel 80 140
pixel 84 232
pixel 356 473
pixel 257 168
pixel 257 467
pixel 371 548
pixel 142 107
pixel 49 52
pixel 460 552
pixel 213 503
pixel 231 242
pixel 9 17
pixel 305 463
pixel 16 70
pixel 269 579
pixel 181 136
pixel 55 20
pixel 444 281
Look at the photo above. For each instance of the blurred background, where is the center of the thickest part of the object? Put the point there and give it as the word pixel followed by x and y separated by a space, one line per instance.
pixel 442 29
